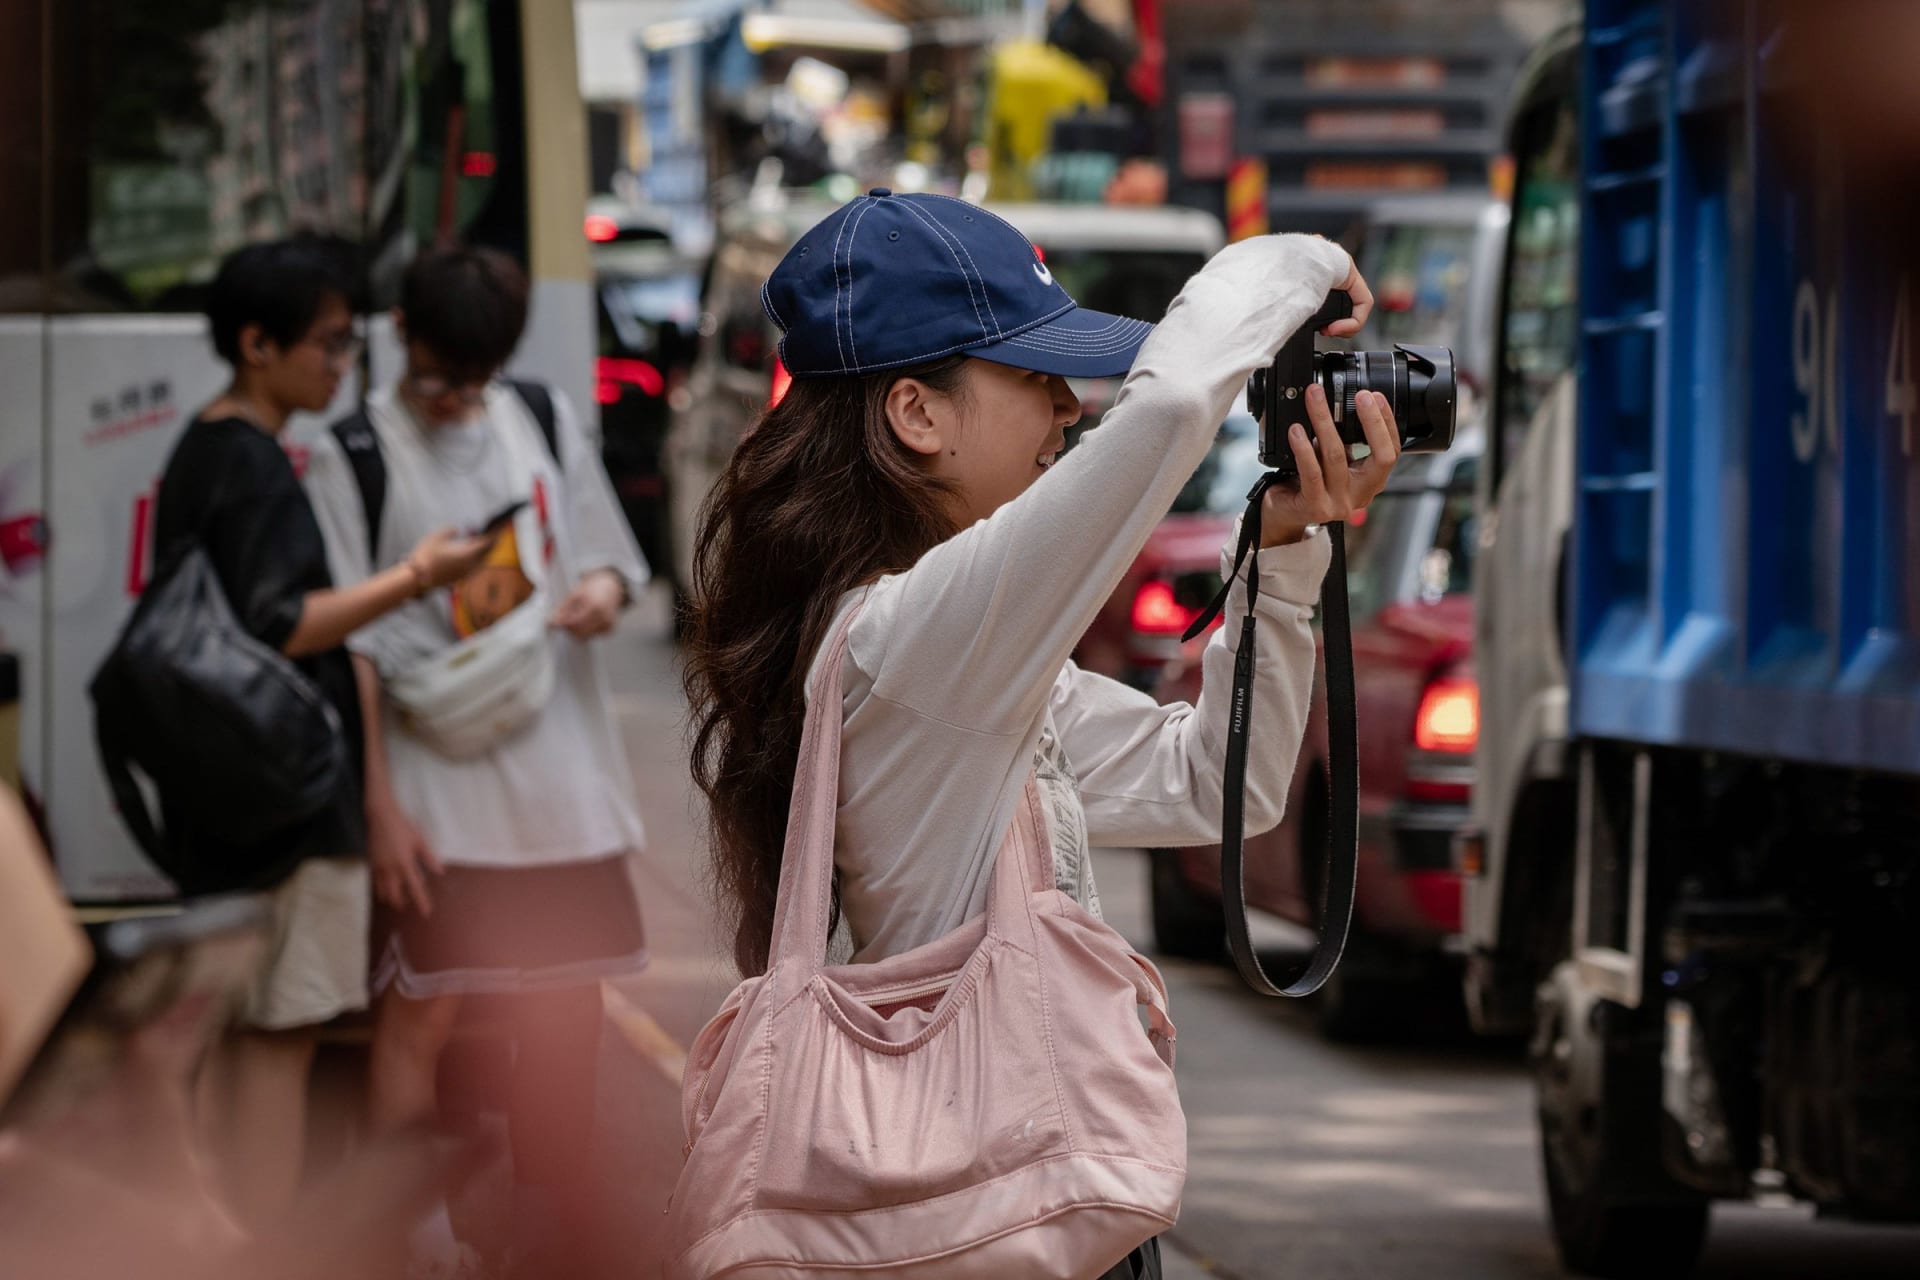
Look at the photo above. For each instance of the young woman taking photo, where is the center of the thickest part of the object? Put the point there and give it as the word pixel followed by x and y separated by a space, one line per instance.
pixel 913 476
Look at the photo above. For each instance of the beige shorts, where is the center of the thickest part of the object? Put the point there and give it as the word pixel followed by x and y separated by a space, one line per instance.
pixel 316 963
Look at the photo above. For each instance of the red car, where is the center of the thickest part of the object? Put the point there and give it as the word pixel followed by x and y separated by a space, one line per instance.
pixel 1409 563
pixel 1137 631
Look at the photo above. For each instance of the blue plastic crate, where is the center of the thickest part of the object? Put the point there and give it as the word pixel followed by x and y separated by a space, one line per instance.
pixel 1747 501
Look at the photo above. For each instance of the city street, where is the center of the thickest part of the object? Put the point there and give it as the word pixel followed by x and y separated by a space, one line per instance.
pixel 345 342
pixel 1306 1159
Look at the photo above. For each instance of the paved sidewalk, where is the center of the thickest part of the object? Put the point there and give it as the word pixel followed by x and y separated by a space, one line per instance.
pixel 1176 1265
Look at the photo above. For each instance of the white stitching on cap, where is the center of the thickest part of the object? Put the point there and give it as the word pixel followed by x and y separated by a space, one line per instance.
pixel 1068 343
pixel 851 238
pixel 921 359
pixel 980 208
pixel 1117 324
pixel 835 264
pixel 1107 350
pixel 1054 329
pixel 1094 337
pixel 766 305
pixel 1070 348
pixel 1054 314
pixel 985 295
pixel 941 237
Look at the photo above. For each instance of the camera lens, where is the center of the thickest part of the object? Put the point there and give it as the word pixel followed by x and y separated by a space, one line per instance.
pixel 1418 383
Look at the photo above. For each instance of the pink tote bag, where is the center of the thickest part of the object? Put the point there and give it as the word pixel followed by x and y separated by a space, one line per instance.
pixel 984 1106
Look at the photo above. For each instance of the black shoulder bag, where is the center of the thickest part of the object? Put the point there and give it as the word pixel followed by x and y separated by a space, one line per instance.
pixel 235 737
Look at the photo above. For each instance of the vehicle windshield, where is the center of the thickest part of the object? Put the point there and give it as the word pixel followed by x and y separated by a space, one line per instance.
pixel 1410 548
pixel 650 315
pixel 1419 277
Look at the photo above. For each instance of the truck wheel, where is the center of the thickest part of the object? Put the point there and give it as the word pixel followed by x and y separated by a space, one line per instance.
pixel 1186 923
pixel 1614 1214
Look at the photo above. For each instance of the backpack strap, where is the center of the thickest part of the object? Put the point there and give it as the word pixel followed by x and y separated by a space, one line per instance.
pixel 361 443
pixel 539 401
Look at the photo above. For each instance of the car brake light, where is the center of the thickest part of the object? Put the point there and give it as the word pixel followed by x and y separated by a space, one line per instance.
pixel 601 229
pixel 614 374
pixel 1156 612
pixel 782 382
pixel 1449 716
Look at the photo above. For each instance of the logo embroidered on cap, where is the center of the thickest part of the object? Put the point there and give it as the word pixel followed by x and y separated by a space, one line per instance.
pixel 1040 269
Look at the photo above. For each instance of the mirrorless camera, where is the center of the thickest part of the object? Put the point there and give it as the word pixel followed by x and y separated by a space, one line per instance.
pixel 1417 382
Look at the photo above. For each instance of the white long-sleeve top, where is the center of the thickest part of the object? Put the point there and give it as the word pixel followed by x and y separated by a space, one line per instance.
pixel 958 684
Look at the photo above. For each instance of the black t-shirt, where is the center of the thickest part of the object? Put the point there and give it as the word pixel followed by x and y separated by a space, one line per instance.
pixel 230 485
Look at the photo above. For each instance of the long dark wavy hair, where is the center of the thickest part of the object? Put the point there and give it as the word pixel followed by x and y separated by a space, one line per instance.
pixel 820 497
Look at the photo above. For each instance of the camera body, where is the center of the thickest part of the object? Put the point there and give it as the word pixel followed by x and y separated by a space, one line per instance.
pixel 1417 381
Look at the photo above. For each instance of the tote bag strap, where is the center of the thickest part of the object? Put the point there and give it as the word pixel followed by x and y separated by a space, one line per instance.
pixel 805 905
pixel 1022 866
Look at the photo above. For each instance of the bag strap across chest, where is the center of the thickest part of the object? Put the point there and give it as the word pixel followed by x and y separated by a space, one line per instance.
pixel 1023 863
pixel 361 443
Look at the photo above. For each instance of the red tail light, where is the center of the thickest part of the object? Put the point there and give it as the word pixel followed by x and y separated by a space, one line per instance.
pixel 601 229
pixel 614 374
pixel 1449 716
pixel 1156 612
pixel 782 382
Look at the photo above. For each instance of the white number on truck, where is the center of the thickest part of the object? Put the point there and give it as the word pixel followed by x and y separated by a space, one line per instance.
pixel 1816 348
pixel 1903 398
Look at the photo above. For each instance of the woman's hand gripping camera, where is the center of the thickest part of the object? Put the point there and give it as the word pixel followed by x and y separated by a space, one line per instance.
pixel 1332 486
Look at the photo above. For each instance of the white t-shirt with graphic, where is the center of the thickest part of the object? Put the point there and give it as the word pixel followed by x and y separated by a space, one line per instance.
pixel 561 790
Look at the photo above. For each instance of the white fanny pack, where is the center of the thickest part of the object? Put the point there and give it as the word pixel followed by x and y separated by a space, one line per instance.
pixel 468 699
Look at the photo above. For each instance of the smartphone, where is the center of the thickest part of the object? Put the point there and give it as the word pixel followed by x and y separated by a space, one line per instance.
pixel 500 519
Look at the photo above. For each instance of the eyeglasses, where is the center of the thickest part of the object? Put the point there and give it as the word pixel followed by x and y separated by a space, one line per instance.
pixel 340 348
pixel 434 387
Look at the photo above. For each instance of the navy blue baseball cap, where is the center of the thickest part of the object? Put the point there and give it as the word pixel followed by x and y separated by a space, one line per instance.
pixel 889 281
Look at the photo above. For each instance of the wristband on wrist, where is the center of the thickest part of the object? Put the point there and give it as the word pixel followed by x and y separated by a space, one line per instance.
pixel 422 580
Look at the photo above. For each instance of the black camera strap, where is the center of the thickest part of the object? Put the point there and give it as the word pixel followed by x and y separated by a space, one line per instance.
pixel 1336 913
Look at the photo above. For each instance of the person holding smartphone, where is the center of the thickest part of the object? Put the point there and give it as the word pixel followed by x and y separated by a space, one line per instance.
pixel 279 318
pixel 500 868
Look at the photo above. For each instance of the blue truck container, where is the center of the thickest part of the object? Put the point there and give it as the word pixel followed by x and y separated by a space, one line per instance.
pixel 1747 522
pixel 1698 869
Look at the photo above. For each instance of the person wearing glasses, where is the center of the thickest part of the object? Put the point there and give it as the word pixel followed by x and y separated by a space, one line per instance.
pixel 499 851
pixel 280 320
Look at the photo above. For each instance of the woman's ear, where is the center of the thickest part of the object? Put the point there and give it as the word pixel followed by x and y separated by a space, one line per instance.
pixel 921 417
